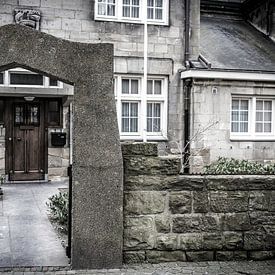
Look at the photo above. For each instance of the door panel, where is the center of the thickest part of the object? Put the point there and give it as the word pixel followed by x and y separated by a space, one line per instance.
pixel 27 142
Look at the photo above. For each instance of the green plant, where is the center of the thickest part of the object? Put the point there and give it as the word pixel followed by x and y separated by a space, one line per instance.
pixel 58 207
pixel 235 166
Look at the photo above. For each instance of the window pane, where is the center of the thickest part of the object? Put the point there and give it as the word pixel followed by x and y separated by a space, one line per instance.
pixel 134 125
pixel 149 109
pixel 259 105
pixel 244 105
pixel 111 10
pixel 243 116
pixel 150 13
pixel 125 109
pixel 53 82
pixel 101 9
pixel 156 125
pixel 126 12
pixel 157 109
pixel 267 127
pixel 134 86
pixel 235 116
pixel 259 116
pixel 159 14
pixel 149 87
pixel 235 127
pixel 126 2
pixel 268 105
pixel 259 127
pixel 135 12
pixel 150 3
pixel 235 104
pixel 267 116
pixel 136 2
pixel 125 86
pixel 1 78
pixel 149 125
pixel 26 79
pixel 159 3
pixel 134 109
pixel 157 90
pixel 125 125
pixel 243 127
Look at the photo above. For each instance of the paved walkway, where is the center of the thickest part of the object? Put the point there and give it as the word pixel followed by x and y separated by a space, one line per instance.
pixel 202 268
pixel 26 235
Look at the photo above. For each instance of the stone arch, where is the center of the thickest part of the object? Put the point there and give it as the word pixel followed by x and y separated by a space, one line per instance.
pixel 97 162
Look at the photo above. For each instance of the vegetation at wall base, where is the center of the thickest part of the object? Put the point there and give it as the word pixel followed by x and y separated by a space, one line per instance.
pixel 231 166
pixel 58 210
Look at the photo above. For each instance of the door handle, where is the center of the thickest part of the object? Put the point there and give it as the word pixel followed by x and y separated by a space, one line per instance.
pixel 10 139
pixel 18 139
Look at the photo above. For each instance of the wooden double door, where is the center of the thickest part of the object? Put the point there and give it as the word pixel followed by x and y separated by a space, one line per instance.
pixel 26 140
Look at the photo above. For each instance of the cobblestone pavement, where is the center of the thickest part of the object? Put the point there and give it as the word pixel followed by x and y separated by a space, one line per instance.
pixel 201 268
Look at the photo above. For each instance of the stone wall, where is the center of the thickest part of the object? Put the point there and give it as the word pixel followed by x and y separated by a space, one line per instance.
pixel 171 217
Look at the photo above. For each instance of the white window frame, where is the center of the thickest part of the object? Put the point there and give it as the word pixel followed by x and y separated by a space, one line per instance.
pixel 46 80
pixel 142 99
pixel 119 18
pixel 252 134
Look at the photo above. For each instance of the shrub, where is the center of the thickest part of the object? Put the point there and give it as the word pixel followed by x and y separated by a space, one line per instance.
pixel 235 166
pixel 58 207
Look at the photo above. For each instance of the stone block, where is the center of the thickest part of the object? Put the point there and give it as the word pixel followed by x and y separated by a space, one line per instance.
pixel 232 240
pixel 138 233
pixel 180 202
pixel 71 24
pixel 262 217
pixel 32 3
pixel 155 257
pixel 261 255
pixel 199 256
pixel 230 201
pixel 54 162
pixel 259 200
pixel 133 257
pixel 148 183
pixel 231 255
pixel 236 222
pixel 272 201
pixel 192 183
pixel 200 202
pixel 163 224
pixel 254 240
pixel 212 241
pixel 57 4
pixel 140 165
pixel 190 241
pixel 139 149
pixel 167 242
pixel 195 223
pixel 138 203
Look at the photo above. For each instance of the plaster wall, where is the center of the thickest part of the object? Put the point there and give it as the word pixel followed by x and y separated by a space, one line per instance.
pixel 215 109
pixel 74 20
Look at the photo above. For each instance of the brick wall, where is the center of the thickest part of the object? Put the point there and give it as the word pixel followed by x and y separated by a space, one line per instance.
pixel 168 217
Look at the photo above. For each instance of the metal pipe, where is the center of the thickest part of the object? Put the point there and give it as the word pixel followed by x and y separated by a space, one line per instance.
pixel 187 30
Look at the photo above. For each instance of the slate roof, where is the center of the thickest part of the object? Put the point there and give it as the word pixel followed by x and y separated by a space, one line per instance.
pixel 234 44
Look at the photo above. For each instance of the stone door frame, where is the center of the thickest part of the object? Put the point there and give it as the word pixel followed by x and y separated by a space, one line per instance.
pixel 97 190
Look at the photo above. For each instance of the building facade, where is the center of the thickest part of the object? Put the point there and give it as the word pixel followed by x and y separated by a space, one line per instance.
pixel 192 100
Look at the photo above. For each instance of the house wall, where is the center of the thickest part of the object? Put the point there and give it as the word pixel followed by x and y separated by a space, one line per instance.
pixel 168 217
pixel 212 110
pixel 74 20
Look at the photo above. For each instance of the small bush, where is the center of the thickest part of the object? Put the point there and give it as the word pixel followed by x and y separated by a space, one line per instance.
pixel 225 166
pixel 58 207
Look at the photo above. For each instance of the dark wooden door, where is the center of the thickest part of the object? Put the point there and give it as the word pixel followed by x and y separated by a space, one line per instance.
pixel 27 142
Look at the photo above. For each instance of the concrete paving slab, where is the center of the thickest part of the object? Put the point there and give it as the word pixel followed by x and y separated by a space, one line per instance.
pixel 27 237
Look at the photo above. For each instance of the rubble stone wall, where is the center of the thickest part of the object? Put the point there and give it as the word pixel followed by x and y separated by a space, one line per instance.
pixel 172 217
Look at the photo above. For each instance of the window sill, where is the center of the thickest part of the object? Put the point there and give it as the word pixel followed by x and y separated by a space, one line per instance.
pixel 139 138
pixel 249 138
pixel 131 21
